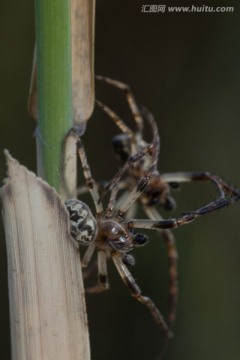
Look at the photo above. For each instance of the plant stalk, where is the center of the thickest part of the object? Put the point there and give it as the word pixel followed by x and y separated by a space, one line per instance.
pixel 54 83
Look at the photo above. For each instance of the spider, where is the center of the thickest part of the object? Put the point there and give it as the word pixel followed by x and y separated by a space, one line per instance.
pixel 139 161
pixel 113 234
pixel 130 142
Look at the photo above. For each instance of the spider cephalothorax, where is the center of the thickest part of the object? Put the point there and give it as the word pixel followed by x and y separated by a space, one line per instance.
pixel 117 238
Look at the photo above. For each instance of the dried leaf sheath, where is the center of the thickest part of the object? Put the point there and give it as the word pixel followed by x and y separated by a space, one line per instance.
pixel 82 32
pixel 47 319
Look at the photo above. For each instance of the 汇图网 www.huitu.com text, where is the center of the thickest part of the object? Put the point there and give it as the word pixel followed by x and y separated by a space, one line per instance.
pixel 186 9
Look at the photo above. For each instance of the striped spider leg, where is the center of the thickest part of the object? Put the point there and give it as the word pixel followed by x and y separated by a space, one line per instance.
pixel 158 191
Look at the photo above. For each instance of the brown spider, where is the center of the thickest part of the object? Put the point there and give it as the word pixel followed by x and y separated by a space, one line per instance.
pixel 113 234
pixel 140 165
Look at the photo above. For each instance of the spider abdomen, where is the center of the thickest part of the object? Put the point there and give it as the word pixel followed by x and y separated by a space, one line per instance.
pixel 83 224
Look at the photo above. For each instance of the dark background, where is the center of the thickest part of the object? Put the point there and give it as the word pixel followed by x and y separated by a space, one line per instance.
pixel 186 69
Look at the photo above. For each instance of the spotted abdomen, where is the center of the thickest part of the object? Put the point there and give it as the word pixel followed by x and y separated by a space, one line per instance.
pixel 83 224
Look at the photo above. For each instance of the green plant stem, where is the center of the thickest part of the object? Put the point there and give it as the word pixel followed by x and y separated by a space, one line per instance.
pixel 53 40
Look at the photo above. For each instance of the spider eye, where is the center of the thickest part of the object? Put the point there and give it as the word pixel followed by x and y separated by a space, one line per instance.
pixel 121 145
pixel 140 239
